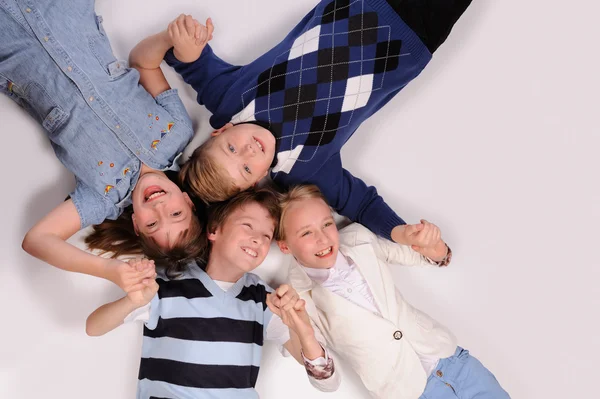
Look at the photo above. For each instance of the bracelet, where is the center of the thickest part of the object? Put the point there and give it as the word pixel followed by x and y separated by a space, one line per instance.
pixel 443 262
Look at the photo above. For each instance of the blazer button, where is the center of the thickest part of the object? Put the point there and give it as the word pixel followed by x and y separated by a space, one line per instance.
pixel 398 335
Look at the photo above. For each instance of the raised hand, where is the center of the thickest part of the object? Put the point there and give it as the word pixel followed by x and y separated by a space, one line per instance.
pixel 189 37
pixel 132 276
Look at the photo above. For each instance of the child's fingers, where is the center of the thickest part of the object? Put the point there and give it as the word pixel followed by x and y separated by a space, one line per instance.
pixel 197 29
pixel 174 30
pixel 210 28
pixel 201 39
pixel 290 302
pixel 295 317
pixel 299 305
pixel 189 25
pixel 271 306
pixel 135 287
pixel 281 291
pixel 412 229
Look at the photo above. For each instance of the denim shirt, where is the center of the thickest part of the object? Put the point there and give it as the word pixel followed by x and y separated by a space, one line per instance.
pixel 57 63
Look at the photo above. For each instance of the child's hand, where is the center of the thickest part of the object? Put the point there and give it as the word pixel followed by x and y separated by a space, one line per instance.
pixel 130 277
pixel 145 294
pixel 425 238
pixel 286 304
pixel 189 37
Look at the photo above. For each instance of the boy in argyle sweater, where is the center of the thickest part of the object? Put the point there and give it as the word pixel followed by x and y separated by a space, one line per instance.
pixel 291 110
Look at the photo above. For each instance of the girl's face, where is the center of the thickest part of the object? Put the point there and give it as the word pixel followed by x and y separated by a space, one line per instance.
pixel 311 235
pixel 160 209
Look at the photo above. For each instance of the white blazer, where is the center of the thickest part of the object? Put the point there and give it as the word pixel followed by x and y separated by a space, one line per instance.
pixel 381 349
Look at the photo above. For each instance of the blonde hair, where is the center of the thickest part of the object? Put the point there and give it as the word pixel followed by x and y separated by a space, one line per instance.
pixel 295 194
pixel 204 178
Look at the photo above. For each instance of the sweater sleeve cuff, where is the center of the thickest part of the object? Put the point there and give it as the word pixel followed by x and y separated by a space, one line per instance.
pixel 388 225
pixel 170 58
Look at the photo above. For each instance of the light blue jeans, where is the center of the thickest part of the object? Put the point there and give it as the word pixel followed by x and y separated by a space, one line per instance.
pixel 462 376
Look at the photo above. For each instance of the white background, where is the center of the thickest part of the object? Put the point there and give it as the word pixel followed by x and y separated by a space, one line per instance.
pixel 496 142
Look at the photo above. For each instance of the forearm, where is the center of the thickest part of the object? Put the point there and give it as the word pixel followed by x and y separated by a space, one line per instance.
pixel 310 347
pixel 320 368
pixel 47 241
pixel 108 317
pixel 149 53
pixel 55 251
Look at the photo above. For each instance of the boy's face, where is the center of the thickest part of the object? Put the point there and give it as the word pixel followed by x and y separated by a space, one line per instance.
pixel 311 235
pixel 160 209
pixel 246 151
pixel 243 240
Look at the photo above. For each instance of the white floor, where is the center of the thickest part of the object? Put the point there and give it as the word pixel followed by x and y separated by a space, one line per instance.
pixel 496 142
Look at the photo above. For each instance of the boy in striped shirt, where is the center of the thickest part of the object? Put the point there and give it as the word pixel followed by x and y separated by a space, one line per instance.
pixel 205 327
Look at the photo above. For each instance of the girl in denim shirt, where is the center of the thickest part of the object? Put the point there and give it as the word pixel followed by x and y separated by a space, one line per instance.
pixel 117 137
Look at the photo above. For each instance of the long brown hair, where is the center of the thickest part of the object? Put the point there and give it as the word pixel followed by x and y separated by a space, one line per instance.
pixel 118 238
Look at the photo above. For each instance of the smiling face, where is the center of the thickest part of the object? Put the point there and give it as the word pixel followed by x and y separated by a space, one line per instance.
pixel 161 210
pixel 245 151
pixel 311 235
pixel 242 241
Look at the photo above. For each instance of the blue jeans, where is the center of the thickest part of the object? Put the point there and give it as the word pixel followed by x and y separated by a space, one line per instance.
pixel 462 376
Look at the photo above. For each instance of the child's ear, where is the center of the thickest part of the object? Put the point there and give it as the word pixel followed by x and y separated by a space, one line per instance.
pixel 283 247
pixel 212 235
pixel 135 226
pixel 221 130
pixel 188 200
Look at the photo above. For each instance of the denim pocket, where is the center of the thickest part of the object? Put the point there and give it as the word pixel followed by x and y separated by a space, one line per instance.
pixel 50 115
pixel 37 102
pixel 100 47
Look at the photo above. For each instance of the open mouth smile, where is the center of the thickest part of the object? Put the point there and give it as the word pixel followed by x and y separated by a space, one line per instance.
pixel 152 193
pixel 250 252
pixel 324 253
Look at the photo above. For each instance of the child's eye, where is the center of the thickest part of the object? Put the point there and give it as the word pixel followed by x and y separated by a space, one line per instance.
pixel 175 214
pixel 231 148
pixel 247 169
pixel 247 225
pixel 328 224
pixel 305 234
pixel 268 237
pixel 150 225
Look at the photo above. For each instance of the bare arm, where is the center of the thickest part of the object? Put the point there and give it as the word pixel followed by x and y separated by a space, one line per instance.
pixel 110 316
pixel 146 57
pixel 185 34
pixel 47 241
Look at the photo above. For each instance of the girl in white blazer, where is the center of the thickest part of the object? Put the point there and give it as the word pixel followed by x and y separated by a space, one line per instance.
pixel 398 351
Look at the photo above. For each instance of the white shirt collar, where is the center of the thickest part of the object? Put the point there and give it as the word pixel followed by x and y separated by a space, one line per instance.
pixel 341 265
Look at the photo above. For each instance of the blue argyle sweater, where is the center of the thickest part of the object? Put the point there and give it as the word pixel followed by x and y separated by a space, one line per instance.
pixel 343 62
pixel 201 341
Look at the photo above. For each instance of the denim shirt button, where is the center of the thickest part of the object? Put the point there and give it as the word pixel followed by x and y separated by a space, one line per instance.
pixel 46 38
pixel 28 9
pixel 91 98
pixel 69 68
pixel 118 127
